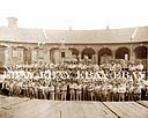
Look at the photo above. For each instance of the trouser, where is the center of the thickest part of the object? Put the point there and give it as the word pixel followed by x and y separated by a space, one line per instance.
pixel 72 94
pixel 58 95
pixel 130 96
pixel 32 93
pixel 91 95
pixel 40 94
pixel 0 86
pixel 103 97
pixel 108 97
pixel 63 95
pixel 95 96
pixel 78 95
pixel 121 97
pixel 99 97
pixel 137 96
pixel 85 95
pixel 114 97
pixel 47 95
pixel 25 93
pixel 52 95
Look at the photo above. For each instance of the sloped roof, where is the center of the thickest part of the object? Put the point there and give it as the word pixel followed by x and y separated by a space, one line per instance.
pixel 74 36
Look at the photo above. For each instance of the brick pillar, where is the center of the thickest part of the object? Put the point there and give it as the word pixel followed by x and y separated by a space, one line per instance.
pixel 96 58
pixel 80 55
pixel 8 56
pixel 132 55
pixel 114 54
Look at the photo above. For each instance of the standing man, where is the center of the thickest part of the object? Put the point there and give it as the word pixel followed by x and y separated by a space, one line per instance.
pixel 78 91
pixel 72 91
pixel 63 91
pixel 52 92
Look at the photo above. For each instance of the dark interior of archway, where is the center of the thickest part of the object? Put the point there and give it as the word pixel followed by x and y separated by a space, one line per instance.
pixel 120 53
pixel 141 52
pixel 88 52
pixel 74 51
pixel 104 52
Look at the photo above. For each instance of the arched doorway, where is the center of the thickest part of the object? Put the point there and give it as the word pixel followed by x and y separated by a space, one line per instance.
pixel 89 52
pixel 104 53
pixel 122 53
pixel 141 52
pixel 75 52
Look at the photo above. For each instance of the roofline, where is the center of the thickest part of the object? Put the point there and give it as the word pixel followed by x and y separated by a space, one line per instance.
pixel 93 29
pixel 135 42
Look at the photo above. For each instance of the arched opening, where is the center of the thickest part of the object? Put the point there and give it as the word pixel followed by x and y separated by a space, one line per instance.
pixel 141 52
pixel 104 53
pixel 122 53
pixel 75 52
pixel 89 52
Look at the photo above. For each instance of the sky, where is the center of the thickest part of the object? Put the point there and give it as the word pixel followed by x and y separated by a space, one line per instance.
pixel 78 14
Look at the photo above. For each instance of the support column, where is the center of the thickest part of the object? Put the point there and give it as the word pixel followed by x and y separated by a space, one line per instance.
pixel 96 58
pixel 132 56
pixel 114 54
pixel 80 55
pixel 8 56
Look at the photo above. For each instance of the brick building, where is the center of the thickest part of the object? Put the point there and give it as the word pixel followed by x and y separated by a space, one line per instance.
pixel 29 46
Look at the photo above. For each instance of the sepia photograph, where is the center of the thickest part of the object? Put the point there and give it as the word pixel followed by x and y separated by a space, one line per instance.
pixel 74 59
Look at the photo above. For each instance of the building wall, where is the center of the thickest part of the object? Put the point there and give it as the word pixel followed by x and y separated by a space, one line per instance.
pixel 24 53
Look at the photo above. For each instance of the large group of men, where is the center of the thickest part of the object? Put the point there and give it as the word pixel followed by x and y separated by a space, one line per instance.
pixel 80 82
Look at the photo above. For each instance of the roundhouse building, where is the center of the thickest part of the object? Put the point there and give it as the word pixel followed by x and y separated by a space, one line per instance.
pixel 29 46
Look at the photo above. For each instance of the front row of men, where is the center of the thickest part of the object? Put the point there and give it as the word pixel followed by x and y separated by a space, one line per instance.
pixel 101 90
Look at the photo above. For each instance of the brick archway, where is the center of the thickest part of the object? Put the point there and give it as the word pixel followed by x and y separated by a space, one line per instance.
pixel 104 52
pixel 88 52
pixel 141 52
pixel 121 52
pixel 74 52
